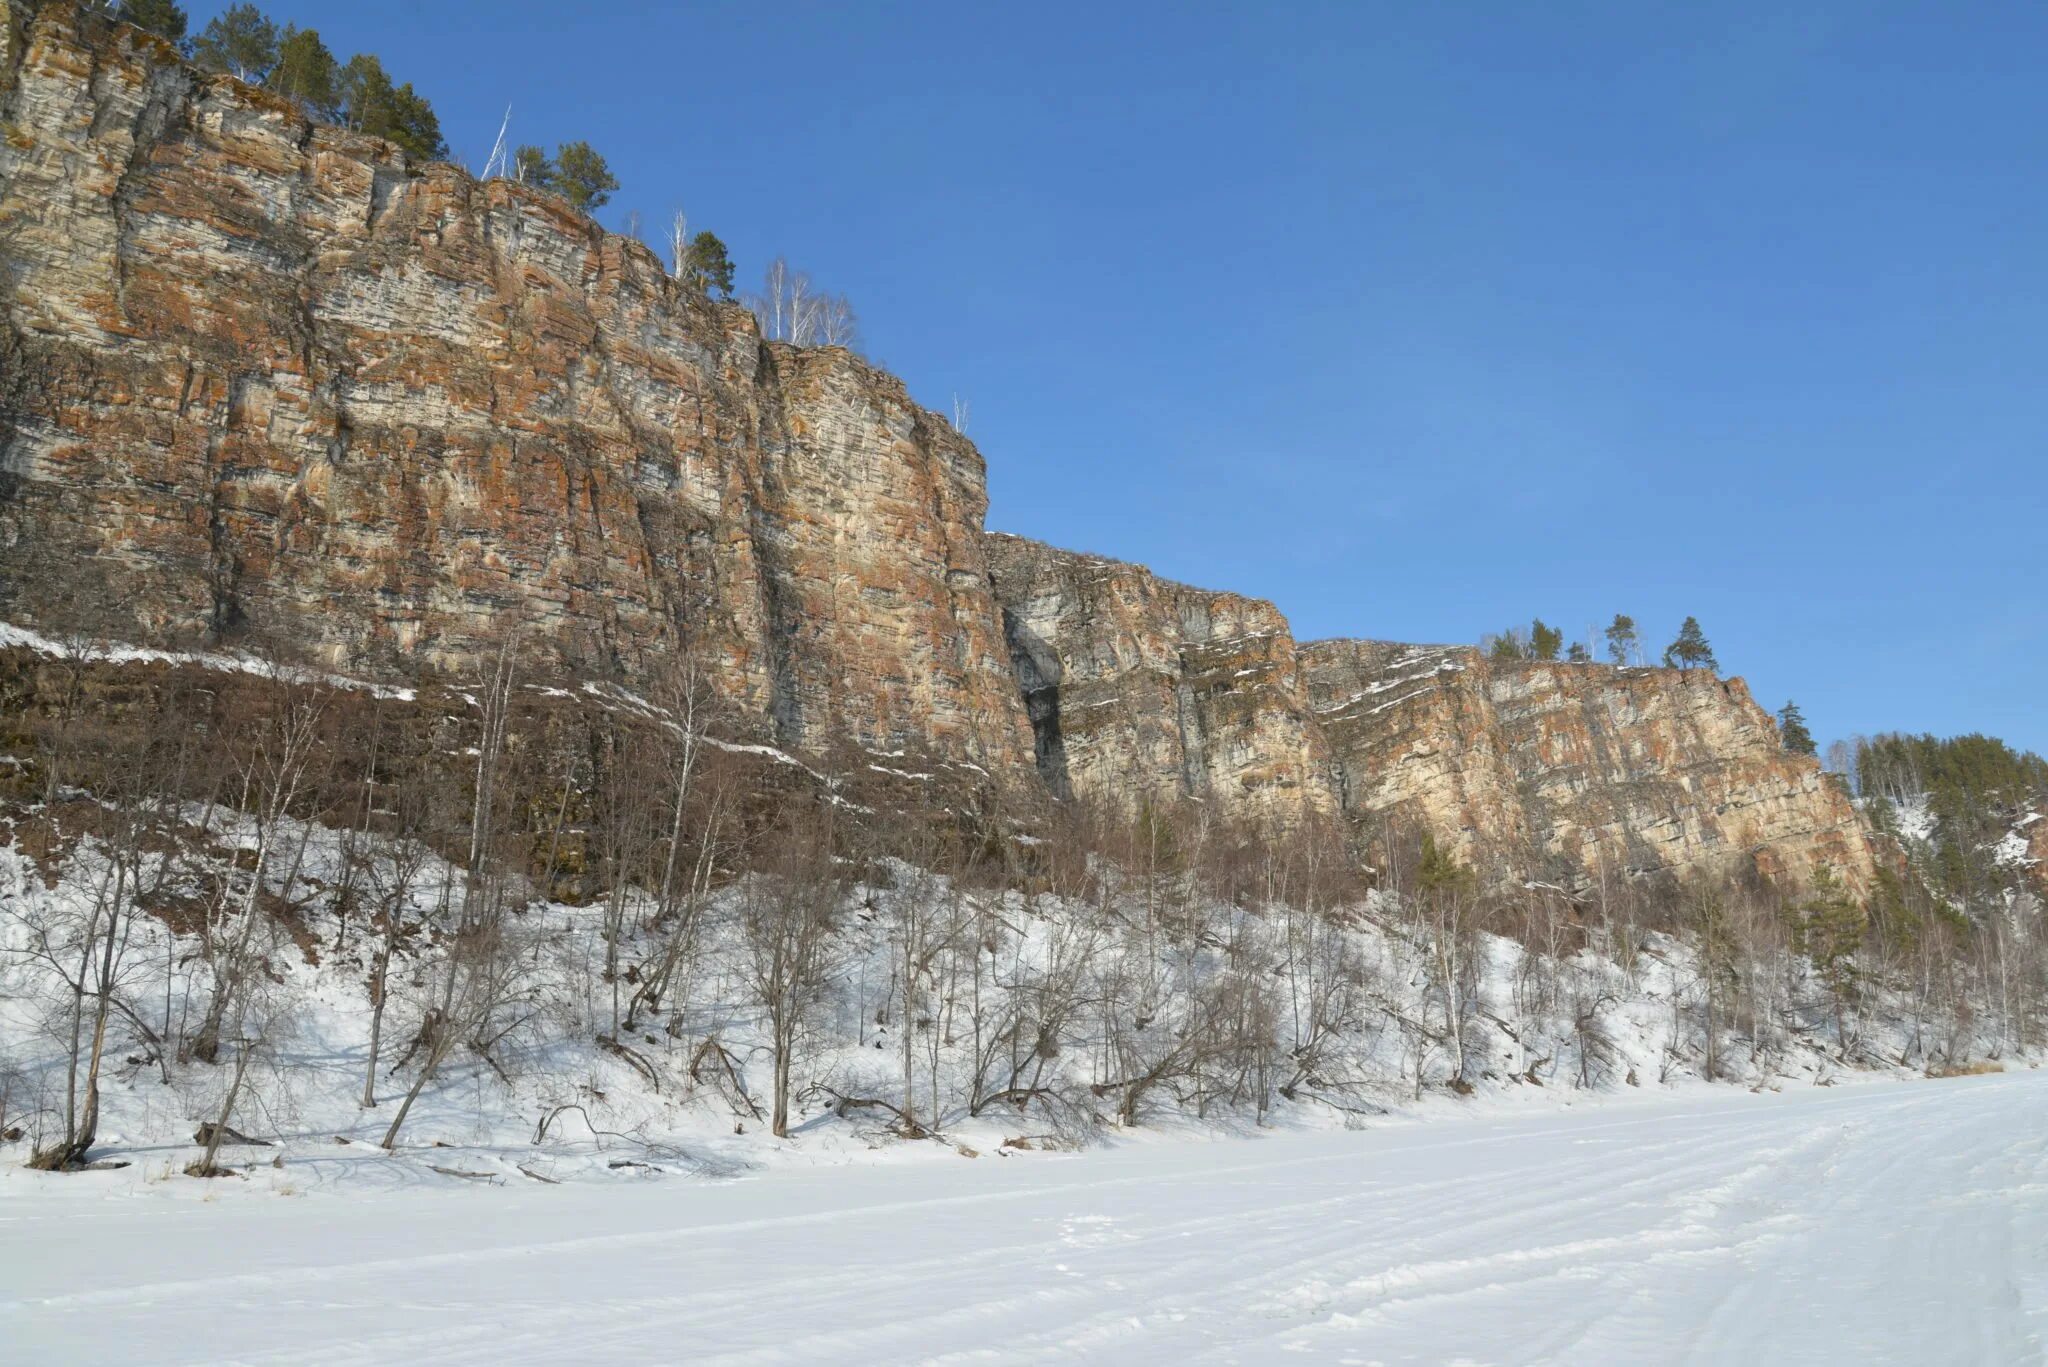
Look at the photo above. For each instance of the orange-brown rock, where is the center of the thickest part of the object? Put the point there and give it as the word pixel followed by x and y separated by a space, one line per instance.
pixel 1575 772
pixel 1144 690
pixel 260 374
pixel 261 377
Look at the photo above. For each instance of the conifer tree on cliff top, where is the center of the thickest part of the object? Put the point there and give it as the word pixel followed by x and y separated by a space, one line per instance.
pixel 582 177
pixel 707 266
pixel 1621 638
pixel 1690 650
pixel 371 104
pixel 241 41
pixel 160 17
pixel 306 71
pixel 1792 730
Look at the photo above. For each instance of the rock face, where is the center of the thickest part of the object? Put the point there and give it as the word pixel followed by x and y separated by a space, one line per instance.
pixel 2032 831
pixel 265 378
pixel 260 375
pixel 1576 771
pixel 1144 690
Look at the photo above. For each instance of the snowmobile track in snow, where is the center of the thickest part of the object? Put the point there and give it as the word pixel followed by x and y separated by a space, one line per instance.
pixel 1884 1222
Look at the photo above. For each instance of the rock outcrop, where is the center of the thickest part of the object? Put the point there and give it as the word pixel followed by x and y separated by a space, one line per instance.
pixel 1144 690
pixel 2028 851
pixel 262 378
pixel 1573 772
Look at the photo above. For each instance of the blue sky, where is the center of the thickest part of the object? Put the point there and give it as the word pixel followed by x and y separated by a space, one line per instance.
pixel 1419 320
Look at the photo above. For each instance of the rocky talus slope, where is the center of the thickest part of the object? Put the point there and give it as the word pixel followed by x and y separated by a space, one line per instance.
pixel 265 379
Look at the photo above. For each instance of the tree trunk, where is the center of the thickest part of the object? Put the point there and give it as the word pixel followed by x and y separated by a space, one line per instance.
pixel 780 1122
pixel 378 991
pixel 204 1167
pixel 419 1084
pixel 79 1136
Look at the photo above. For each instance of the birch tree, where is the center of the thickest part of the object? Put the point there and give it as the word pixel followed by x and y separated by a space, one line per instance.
pixel 478 974
pixel 787 917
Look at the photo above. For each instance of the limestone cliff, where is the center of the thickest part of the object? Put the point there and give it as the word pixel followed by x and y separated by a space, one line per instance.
pixel 261 377
pixel 1576 771
pixel 1141 689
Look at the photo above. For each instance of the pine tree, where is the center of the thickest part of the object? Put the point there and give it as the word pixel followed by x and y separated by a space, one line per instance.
pixel 1578 654
pixel 531 166
pixel 582 177
pixel 161 17
pixel 1621 638
pixel 1792 731
pixel 370 103
pixel 708 267
pixel 1544 641
pixel 1831 928
pixel 1506 647
pixel 1439 872
pixel 306 71
pixel 241 41
pixel 1690 650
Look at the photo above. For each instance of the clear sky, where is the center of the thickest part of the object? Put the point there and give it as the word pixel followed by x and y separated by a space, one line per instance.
pixel 1418 319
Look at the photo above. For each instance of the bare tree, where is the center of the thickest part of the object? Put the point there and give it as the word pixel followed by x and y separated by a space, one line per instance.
pixel 495 163
pixel 272 747
pixel 1033 1014
pixel 89 953
pixel 478 975
pixel 625 788
pixel 395 872
pixel 791 308
pixel 123 855
pixel 702 827
pixel 788 912
pixel 783 306
pixel 678 243
pixel 264 1022
pixel 931 920
pixel 833 322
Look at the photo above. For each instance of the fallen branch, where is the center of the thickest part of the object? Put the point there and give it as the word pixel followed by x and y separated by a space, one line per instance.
pixel 540 1133
pixel 905 1126
pixel 726 1078
pixel 490 1177
pixel 632 1056
pixel 1020 1097
pixel 228 1135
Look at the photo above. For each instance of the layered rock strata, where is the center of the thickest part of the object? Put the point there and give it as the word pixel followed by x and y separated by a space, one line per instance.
pixel 1576 772
pixel 264 380
pixel 263 376
pixel 1144 690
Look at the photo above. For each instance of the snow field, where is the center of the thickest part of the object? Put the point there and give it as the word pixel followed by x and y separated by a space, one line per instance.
pixel 1891 1222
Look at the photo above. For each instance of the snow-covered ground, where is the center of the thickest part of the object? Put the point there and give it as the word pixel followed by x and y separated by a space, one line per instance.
pixel 1884 1222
